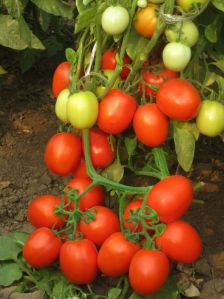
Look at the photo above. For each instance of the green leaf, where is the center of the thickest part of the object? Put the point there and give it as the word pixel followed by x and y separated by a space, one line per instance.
pixel 219 64
pixel 189 126
pixel 130 144
pixel 86 18
pixel 60 289
pixel 219 4
pixel 19 237
pixel 9 248
pixel 135 45
pixel 55 7
pixel 114 293
pixel 71 55
pixel 114 172
pixel 25 31
pixel 2 71
pixel 184 142
pixel 9 273
pixel 44 20
pixel 211 32
pixel 14 7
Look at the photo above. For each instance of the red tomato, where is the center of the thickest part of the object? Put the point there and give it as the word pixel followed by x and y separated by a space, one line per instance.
pixel 78 261
pixel 61 79
pixel 116 111
pixel 106 222
pixel 115 255
pixel 93 197
pixel 180 242
pixel 151 126
pixel 171 197
pixel 109 62
pixel 132 206
pixel 41 211
pixel 101 151
pixel 148 271
pixel 41 248
pixel 178 99
pixel 80 171
pixel 63 153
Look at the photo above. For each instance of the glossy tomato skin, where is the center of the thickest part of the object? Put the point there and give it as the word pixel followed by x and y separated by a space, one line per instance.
pixel 171 197
pixel 116 111
pixel 132 206
pixel 61 79
pixel 41 211
pixel 109 62
pixel 178 99
pixel 148 271
pixel 63 153
pixel 106 222
pixel 93 197
pixel 41 248
pixel 146 20
pixel 180 242
pixel 101 152
pixel 115 255
pixel 78 261
pixel 151 126
pixel 81 171
pixel 210 118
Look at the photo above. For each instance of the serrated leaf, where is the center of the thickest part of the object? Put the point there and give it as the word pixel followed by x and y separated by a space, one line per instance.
pixel 185 147
pixel 9 273
pixel 114 172
pixel 219 4
pixel 14 8
pixel 114 293
pixel 55 7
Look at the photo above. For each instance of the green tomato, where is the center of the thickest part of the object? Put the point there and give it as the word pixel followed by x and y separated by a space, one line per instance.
pixel 115 20
pixel 189 5
pixel 176 56
pixel 210 119
pixel 82 109
pixel 186 32
pixel 61 105
pixel 142 3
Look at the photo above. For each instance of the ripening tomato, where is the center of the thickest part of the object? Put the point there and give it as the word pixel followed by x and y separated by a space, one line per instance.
pixel 41 211
pixel 210 118
pixel 61 105
pixel 180 242
pixel 150 125
pixel 178 99
pixel 149 270
pixel 189 5
pixel 80 171
pixel 78 261
pixel 115 255
pixel 101 152
pixel 146 20
pixel 132 207
pixel 109 62
pixel 116 111
pixel 171 197
pixel 61 78
pixel 95 196
pixel 106 222
pixel 63 152
pixel 41 248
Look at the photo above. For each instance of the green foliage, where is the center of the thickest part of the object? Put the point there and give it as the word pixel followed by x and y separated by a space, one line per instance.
pixel 9 273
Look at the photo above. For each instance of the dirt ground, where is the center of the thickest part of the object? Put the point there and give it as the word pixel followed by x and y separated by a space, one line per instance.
pixel 27 120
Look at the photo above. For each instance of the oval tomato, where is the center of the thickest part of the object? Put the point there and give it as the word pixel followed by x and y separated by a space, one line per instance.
pixel 146 20
pixel 180 242
pixel 178 99
pixel 132 207
pixel 78 261
pixel 101 152
pixel 116 111
pixel 148 271
pixel 81 171
pixel 210 119
pixel 82 109
pixel 95 196
pixel 61 105
pixel 41 248
pixel 189 5
pixel 115 20
pixel 115 255
pixel 150 125
pixel 106 222
pixel 171 197
pixel 41 211
pixel 61 78
pixel 63 152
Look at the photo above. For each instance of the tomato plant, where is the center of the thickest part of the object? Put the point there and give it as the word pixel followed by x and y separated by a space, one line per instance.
pixel 41 248
pixel 78 261
pixel 150 125
pixel 146 20
pixel 61 78
pixel 63 153
pixel 115 255
pixel 42 211
pixel 178 99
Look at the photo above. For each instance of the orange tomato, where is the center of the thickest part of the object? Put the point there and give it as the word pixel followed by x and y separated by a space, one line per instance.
pixel 146 20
